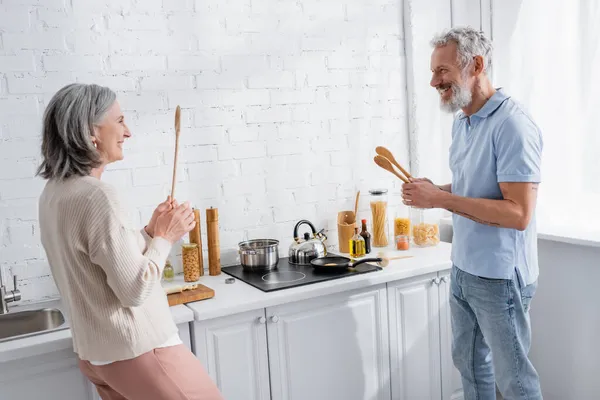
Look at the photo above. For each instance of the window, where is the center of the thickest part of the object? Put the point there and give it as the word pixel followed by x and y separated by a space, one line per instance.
pixel 548 59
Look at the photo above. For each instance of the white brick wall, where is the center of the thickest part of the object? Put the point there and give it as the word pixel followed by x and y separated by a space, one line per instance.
pixel 283 104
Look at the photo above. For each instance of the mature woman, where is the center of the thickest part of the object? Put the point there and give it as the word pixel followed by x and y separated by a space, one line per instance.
pixel 107 272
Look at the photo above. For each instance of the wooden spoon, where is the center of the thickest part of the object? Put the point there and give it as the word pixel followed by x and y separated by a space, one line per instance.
pixel 356 206
pixel 387 165
pixel 385 261
pixel 177 130
pixel 388 154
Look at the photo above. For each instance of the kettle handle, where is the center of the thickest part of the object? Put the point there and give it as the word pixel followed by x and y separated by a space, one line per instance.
pixel 304 221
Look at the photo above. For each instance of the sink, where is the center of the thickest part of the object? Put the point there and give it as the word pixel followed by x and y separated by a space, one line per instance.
pixel 25 323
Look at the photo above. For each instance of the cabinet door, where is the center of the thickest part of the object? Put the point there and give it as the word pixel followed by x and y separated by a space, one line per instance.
pixel 451 381
pixel 234 351
pixel 51 376
pixel 330 347
pixel 184 334
pixel 415 338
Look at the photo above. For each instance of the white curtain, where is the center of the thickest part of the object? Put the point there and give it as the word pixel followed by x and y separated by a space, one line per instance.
pixel 548 58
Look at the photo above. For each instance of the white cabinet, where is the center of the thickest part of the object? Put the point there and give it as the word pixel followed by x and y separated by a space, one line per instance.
pixel 234 351
pixel 451 381
pixel 421 337
pixel 331 347
pixel 415 338
pixel 52 376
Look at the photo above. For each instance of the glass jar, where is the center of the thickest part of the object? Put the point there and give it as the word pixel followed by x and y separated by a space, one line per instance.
pixel 402 221
pixel 425 226
pixel 191 262
pixel 379 218
pixel 402 242
pixel 168 272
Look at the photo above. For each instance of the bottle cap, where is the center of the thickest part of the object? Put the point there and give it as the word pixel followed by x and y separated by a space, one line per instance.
pixel 364 221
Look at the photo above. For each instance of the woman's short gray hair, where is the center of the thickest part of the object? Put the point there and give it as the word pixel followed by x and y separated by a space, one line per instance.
pixel 69 119
pixel 470 43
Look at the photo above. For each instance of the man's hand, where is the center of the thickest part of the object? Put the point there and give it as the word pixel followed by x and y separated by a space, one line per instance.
pixel 422 193
pixel 163 207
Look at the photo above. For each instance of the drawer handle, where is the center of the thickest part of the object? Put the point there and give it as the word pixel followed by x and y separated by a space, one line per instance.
pixel 275 319
pixel 262 320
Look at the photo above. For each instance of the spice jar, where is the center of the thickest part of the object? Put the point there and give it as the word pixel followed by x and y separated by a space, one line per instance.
pixel 402 221
pixel 425 227
pixel 379 219
pixel 168 272
pixel 402 242
pixel 191 262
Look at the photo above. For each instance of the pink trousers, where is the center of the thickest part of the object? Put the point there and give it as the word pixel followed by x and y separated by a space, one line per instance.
pixel 169 373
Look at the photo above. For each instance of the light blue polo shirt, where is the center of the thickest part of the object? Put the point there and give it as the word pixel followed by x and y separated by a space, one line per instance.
pixel 499 143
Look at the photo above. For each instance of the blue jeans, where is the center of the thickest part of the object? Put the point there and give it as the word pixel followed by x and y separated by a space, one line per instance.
pixel 491 337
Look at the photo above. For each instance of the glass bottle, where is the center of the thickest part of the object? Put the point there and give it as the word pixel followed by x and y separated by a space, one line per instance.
pixel 357 245
pixel 379 218
pixel 168 272
pixel 366 236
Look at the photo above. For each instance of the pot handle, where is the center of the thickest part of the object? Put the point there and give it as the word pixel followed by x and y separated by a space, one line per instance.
pixel 304 221
pixel 365 260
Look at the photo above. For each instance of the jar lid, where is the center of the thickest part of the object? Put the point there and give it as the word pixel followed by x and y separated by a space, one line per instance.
pixel 378 192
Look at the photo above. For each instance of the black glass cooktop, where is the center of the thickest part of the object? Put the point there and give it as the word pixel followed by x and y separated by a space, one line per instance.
pixel 287 275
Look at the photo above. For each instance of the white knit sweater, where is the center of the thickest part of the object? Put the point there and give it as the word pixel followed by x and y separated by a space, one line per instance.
pixel 107 272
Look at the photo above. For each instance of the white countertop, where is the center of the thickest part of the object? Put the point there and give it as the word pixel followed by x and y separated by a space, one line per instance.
pixel 240 297
pixel 60 339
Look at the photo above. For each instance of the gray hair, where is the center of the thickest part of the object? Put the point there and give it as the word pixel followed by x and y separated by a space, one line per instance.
pixel 68 127
pixel 470 43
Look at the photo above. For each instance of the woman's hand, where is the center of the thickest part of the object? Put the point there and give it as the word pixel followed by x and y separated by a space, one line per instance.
pixel 173 224
pixel 163 207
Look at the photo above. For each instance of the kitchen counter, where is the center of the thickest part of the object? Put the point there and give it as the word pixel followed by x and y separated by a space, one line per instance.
pixel 240 297
pixel 59 339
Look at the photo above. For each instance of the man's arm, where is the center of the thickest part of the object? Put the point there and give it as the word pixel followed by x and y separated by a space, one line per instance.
pixel 513 211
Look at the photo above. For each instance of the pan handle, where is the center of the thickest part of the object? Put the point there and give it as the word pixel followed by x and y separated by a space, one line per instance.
pixel 365 260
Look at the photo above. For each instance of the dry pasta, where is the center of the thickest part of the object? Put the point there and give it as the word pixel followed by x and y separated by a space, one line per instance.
pixel 379 215
pixel 426 234
pixel 401 226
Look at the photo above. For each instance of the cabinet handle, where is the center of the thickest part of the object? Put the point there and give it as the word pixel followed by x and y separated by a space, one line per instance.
pixel 262 320
pixel 435 281
pixel 444 279
pixel 275 319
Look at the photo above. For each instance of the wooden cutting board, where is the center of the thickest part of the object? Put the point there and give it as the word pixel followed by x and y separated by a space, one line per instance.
pixel 187 296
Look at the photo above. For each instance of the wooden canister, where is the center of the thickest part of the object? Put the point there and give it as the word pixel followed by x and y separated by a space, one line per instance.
pixel 212 235
pixel 346 222
pixel 196 237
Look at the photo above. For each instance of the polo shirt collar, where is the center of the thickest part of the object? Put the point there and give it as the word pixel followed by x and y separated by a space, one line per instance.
pixel 490 106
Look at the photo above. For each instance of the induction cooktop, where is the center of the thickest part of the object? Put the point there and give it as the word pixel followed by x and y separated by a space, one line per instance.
pixel 288 275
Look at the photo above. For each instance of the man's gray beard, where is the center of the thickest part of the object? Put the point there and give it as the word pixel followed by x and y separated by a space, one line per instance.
pixel 461 97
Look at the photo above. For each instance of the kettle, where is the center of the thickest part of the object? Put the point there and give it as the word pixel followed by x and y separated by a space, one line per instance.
pixel 302 251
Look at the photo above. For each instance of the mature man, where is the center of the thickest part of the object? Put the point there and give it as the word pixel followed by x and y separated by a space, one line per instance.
pixel 495 160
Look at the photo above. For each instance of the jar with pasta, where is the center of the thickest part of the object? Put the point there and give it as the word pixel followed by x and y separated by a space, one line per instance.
pixel 425 227
pixel 191 262
pixel 379 218
pixel 402 221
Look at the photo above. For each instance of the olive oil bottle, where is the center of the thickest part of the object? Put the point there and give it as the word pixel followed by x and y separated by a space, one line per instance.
pixel 357 245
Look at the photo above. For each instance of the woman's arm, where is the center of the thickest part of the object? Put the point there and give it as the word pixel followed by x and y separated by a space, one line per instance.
pixel 130 272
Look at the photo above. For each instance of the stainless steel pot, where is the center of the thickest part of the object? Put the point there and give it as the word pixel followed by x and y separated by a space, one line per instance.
pixel 259 254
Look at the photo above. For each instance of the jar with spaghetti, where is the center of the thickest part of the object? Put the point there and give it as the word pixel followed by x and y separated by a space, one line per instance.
pixel 379 218
pixel 425 227
pixel 191 262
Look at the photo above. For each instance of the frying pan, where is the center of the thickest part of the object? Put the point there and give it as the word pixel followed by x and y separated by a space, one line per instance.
pixel 338 263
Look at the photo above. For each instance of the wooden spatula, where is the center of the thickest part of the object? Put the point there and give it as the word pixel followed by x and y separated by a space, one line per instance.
pixel 382 151
pixel 177 130
pixel 387 165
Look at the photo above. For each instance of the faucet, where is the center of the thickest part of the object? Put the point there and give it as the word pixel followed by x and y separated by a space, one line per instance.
pixel 8 296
